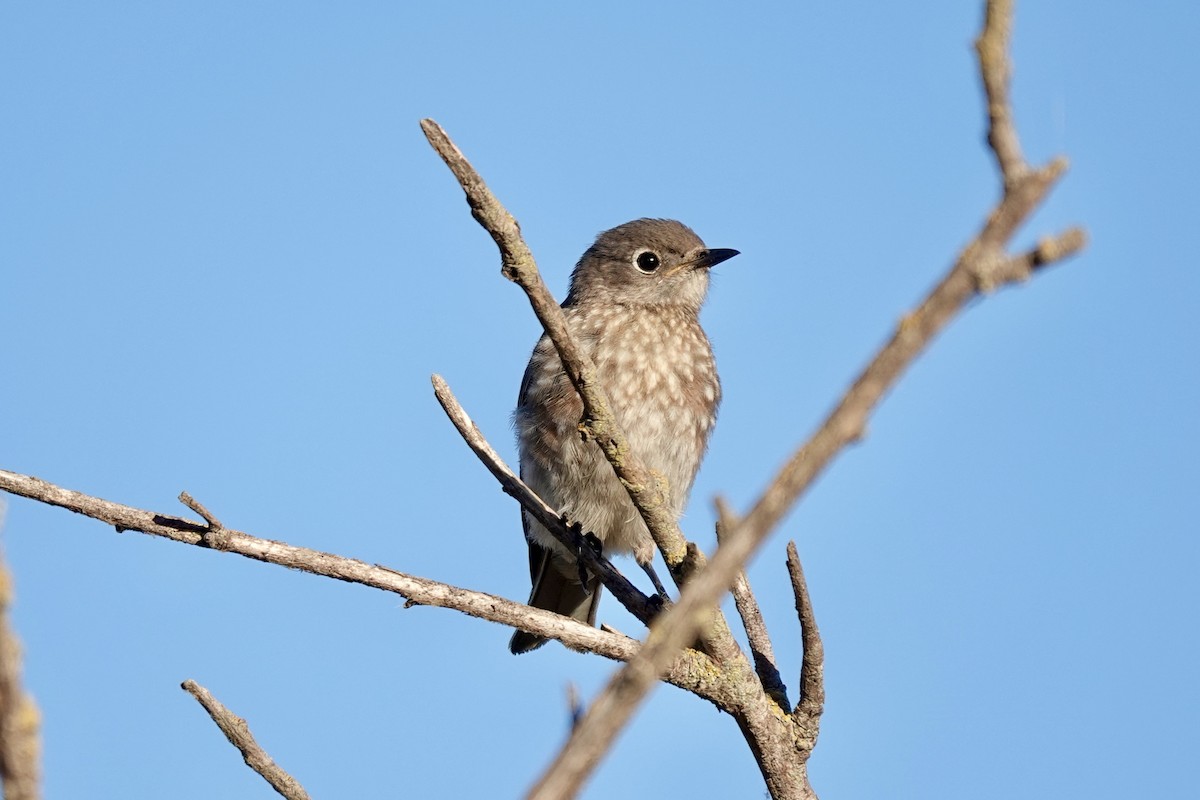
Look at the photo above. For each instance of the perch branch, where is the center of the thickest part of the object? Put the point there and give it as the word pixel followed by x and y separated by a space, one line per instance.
pixel 238 733
pixel 691 671
pixel 628 594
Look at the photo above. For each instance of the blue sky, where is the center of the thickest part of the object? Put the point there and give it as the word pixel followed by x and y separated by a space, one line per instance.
pixel 230 263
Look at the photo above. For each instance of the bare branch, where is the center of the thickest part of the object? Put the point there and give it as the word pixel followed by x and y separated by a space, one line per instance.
pixel 20 744
pixel 515 255
pixel 812 669
pixel 629 596
pixel 996 72
pixel 238 733
pixel 692 671
pixel 981 267
pixel 753 623
pixel 977 269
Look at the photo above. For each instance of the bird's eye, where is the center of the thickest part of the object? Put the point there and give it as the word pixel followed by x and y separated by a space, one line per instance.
pixel 647 262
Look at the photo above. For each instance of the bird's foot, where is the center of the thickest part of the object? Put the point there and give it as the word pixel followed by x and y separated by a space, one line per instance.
pixel 648 568
pixel 657 604
pixel 593 542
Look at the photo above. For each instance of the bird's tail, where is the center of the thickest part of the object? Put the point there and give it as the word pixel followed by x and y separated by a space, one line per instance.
pixel 557 588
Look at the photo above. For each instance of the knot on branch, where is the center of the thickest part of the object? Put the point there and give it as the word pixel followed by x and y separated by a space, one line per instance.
pixel 987 270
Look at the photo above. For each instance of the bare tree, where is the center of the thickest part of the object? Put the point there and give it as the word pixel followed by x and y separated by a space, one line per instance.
pixel 780 734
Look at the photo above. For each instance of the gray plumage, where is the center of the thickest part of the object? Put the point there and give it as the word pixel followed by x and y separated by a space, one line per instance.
pixel 634 308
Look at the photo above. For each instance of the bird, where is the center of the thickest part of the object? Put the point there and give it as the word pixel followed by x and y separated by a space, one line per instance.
pixel 633 307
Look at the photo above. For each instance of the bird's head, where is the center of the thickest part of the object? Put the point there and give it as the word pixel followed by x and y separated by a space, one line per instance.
pixel 647 262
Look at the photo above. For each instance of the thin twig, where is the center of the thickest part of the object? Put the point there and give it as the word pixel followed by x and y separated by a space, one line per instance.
pixel 213 535
pixel 996 71
pixel 20 723
pixel 812 668
pixel 238 733
pixel 1049 250
pixel 194 505
pixel 753 623
pixel 629 596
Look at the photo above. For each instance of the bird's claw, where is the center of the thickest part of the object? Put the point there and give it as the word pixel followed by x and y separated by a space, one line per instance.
pixel 593 542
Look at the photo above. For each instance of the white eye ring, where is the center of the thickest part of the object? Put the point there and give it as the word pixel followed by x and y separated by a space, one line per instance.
pixel 647 261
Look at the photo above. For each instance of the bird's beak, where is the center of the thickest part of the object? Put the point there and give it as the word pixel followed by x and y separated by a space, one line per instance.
pixel 710 258
pixel 703 259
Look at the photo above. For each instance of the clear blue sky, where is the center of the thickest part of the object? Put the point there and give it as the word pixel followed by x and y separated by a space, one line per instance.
pixel 230 263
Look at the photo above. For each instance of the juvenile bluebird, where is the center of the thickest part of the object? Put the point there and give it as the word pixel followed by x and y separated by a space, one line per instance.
pixel 634 308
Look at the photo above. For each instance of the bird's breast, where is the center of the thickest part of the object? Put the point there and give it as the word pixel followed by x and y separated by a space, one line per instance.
pixel 658 372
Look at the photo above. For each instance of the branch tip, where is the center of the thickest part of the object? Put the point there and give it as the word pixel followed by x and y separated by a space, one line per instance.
pixel 437 137
pixel 238 733
pixel 812 670
pixel 1056 248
